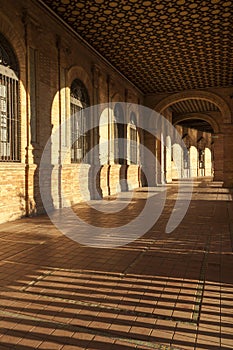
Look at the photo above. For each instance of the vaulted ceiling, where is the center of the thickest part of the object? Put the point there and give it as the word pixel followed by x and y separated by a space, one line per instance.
pixel 193 108
pixel 197 124
pixel 159 45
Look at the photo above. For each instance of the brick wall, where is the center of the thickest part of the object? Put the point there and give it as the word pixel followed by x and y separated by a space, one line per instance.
pixel 60 57
pixel 12 191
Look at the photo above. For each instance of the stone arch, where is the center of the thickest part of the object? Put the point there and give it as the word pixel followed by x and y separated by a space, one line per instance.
pixel 196 94
pixel 116 97
pixel 201 116
pixel 17 45
pixel 118 112
pixel 131 108
pixel 77 72
pixel 188 140
pixel 217 167
pixel 79 91
pixel 15 40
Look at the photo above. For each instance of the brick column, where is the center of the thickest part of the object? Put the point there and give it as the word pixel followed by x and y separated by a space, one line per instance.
pixel 148 165
pixel 218 153
pixel 227 158
pixel 94 171
pixel 95 77
pixel 159 156
pixel 168 162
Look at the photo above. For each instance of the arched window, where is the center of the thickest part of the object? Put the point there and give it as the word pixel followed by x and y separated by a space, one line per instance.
pixel 9 104
pixel 79 100
pixel 133 134
pixel 119 155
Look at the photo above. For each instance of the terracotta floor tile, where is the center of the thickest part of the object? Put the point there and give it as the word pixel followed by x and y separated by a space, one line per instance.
pixel 62 295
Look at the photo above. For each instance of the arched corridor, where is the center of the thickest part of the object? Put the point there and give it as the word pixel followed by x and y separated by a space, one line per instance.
pixel 198 117
pixel 116 174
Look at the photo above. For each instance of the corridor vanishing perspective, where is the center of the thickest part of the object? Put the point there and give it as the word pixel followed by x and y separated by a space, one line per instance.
pixel 100 85
pixel 116 174
pixel 162 291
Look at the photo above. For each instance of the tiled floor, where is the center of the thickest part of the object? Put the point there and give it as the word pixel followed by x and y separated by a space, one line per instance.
pixel 162 291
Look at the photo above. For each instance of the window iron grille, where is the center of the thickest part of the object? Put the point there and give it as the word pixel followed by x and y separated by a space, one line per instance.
pixel 79 100
pixel 133 139
pixel 9 105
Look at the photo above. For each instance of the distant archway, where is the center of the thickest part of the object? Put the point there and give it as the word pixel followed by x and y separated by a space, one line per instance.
pixel 204 148
pixel 215 122
pixel 161 106
pixel 201 116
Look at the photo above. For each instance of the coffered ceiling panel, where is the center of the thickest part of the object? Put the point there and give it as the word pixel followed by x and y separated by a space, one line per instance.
pixel 160 45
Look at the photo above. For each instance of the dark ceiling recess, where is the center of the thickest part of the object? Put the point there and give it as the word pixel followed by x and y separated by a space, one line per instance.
pixel 198 124
pixel 161 46
pixel 193 106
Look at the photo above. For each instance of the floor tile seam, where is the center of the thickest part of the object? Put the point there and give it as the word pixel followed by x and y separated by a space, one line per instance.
pixel 8 289
pixel 22 241
pixel 36 280
pixel 102 307
pixel 174 307
pixel 230 215
pixel 51 271
pixel 221 287
pixel 110 334
pixel 22 251
pixel 184 335
pixel 136 259
pixel 201 283
pixel 145 250
pixel 85 272
pixel 82 271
